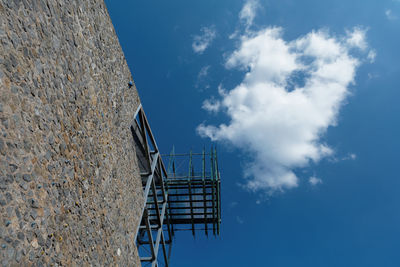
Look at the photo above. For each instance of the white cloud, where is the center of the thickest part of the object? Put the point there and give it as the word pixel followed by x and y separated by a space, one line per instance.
pixel 314 181
pixel 389 14
pixel 248 12
pixel 356 38
pixel 211 105
pixel 290 95
pixel 201 42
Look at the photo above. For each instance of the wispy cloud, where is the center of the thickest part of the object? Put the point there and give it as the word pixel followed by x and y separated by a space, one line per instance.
pixel 202 42
pixel 389 15
pixel 248 12
pixel 350 156
pixel 372 76
pixel 202 77
pixel 356 38
pixel 203 72
pixel 371 56
pixel 211 105
pixel 291 93
pixel 314 181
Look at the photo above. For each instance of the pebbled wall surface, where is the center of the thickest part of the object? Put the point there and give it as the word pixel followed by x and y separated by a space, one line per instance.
pixel 70 190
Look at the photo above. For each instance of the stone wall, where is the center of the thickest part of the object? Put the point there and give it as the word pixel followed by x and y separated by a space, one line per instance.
pixel 70 192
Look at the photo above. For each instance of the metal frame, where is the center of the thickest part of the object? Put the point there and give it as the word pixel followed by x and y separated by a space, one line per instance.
pixel 155 217
pixel 194 196
pixel 172 199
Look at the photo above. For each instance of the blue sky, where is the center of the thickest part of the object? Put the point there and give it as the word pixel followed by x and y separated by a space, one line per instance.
pixel 309 93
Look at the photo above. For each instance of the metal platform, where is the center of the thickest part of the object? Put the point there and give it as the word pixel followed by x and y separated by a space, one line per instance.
pixel 193 184
pixel 175 200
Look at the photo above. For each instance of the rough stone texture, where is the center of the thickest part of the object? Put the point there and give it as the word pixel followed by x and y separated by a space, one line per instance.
pixel 70 192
